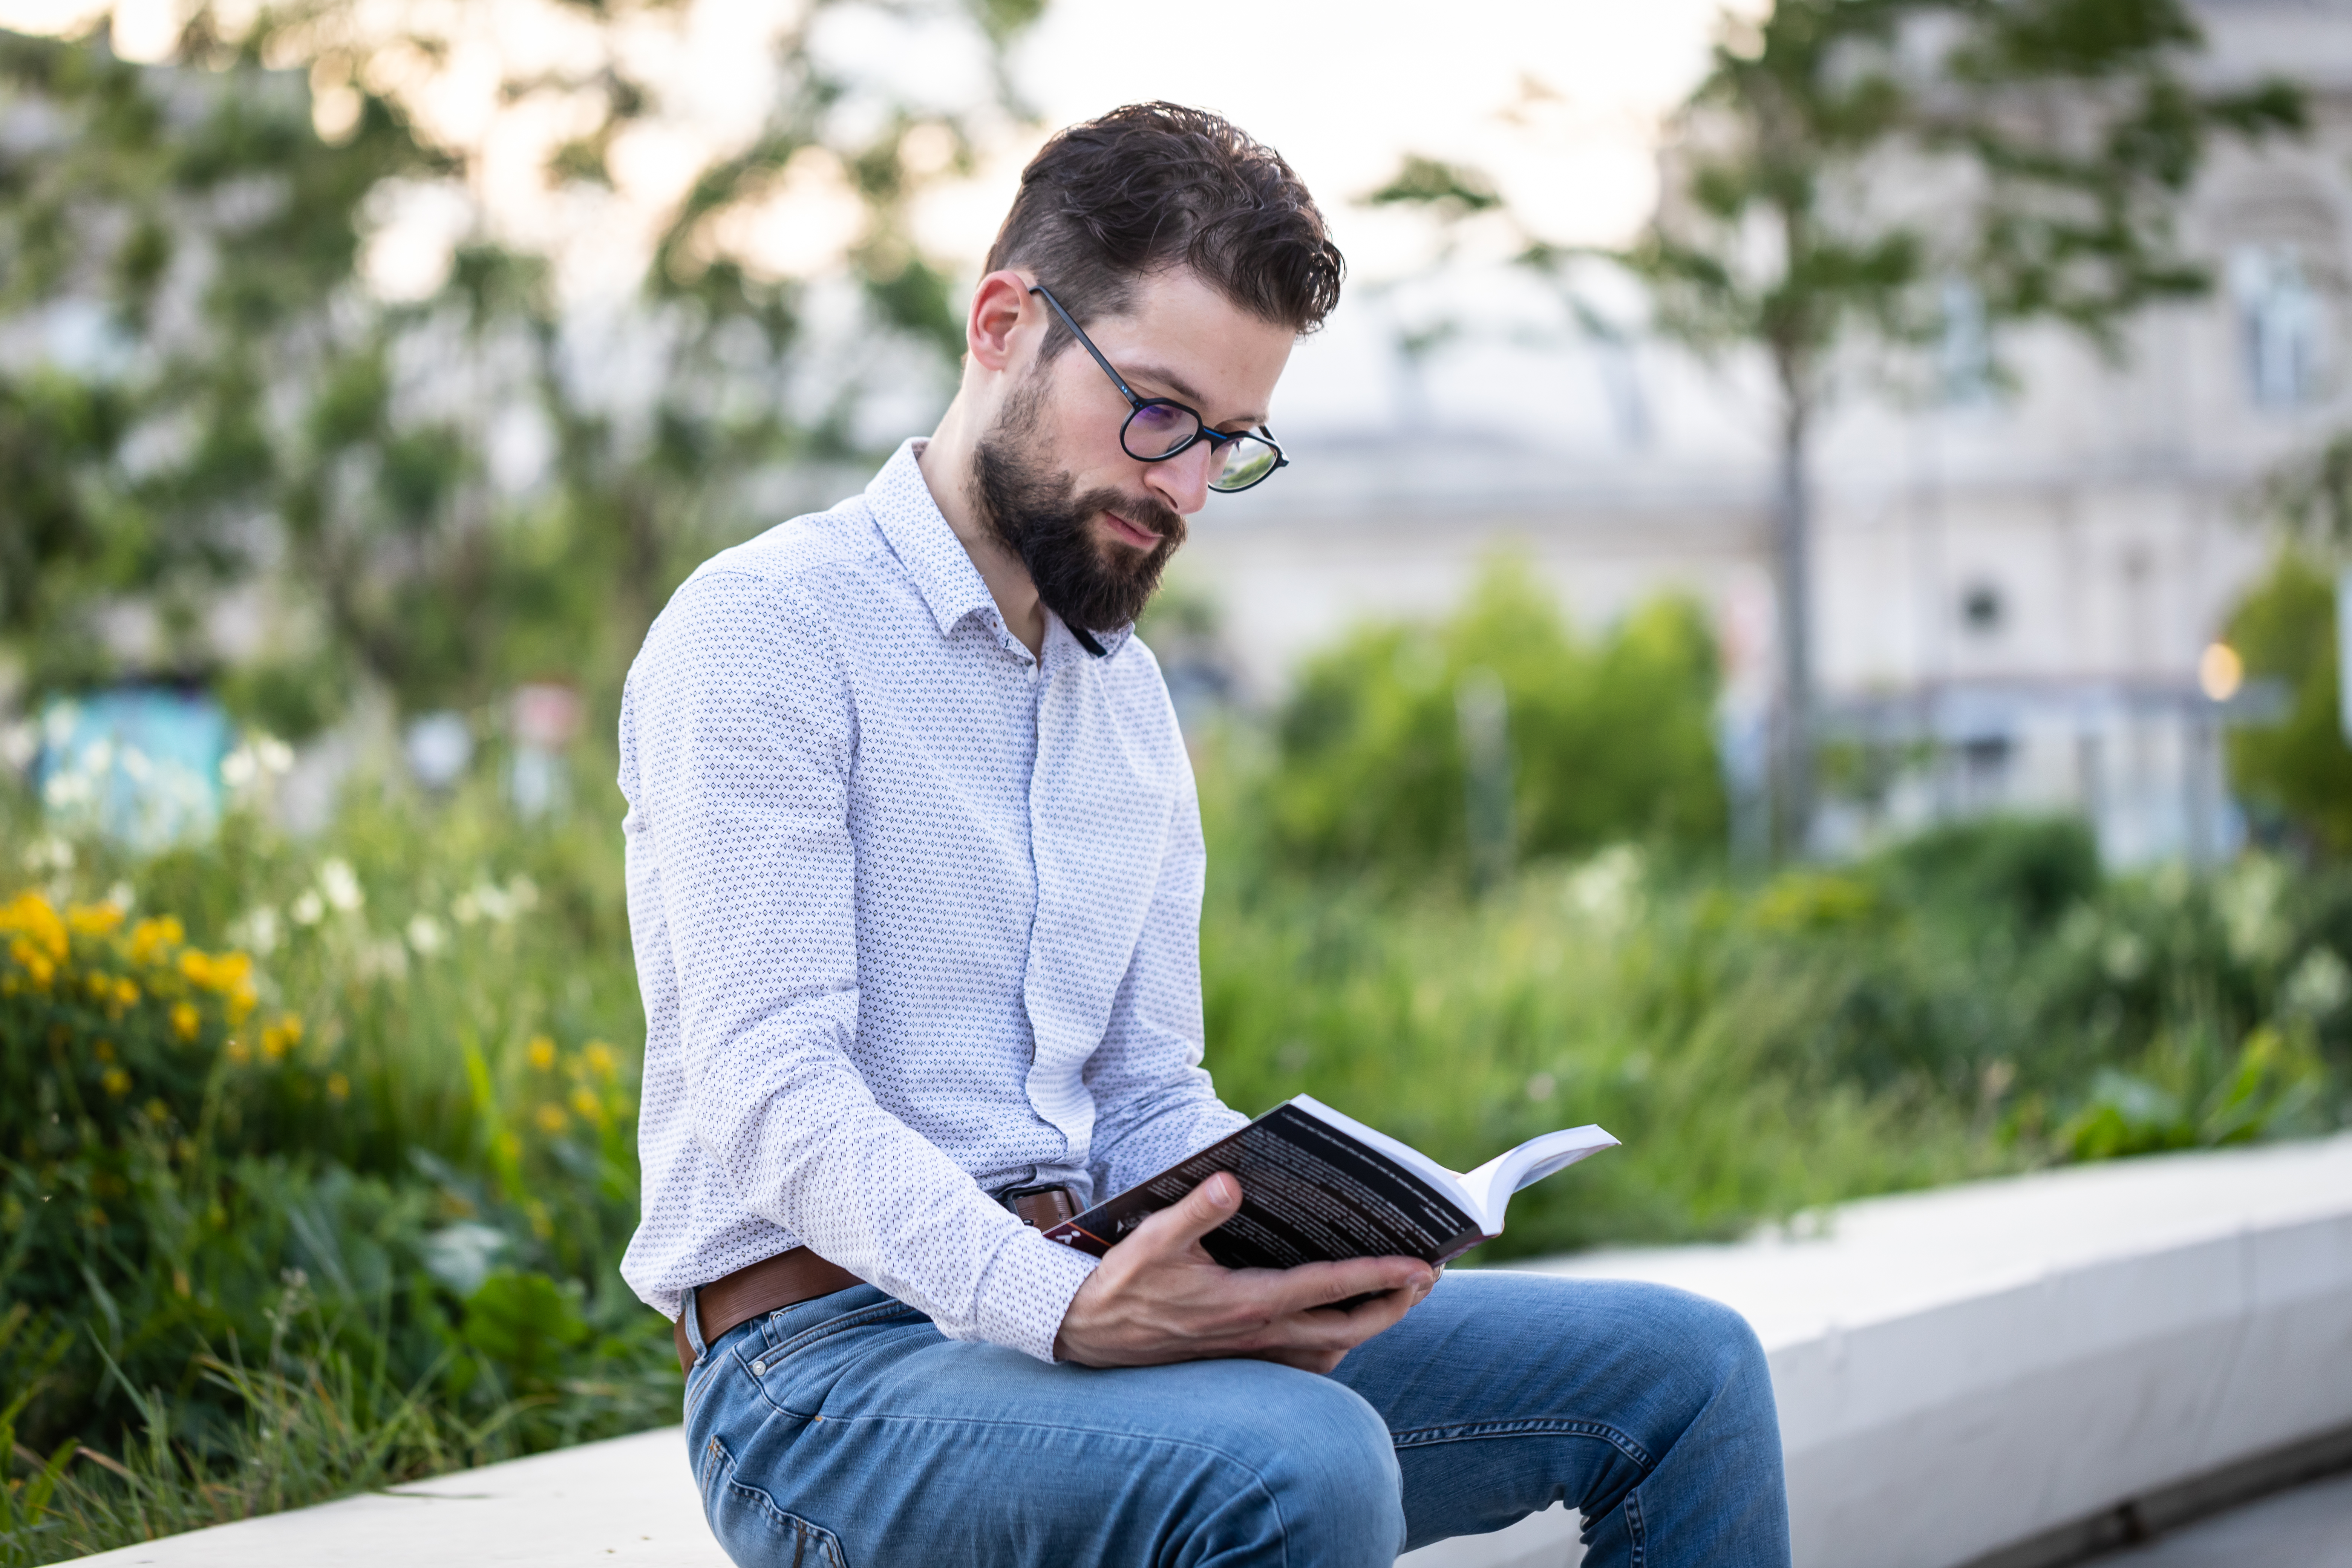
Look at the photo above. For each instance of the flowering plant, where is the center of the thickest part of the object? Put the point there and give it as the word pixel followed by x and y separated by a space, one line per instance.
pixel 119 1040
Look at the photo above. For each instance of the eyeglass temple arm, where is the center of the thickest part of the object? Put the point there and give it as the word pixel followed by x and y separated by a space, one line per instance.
pixel 1088 343
pixel 1214 437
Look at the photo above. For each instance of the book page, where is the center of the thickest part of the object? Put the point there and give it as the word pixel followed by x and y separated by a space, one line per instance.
pixel 1411 1158
pixel 1490 1186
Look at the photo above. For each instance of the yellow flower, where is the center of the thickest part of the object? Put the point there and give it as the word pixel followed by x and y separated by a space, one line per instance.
pixel 339 1088
pixel 93 920
pixel 599 1058
pixel 115 1081
pixel 186 1020
pixel 237 1052
pixel 584 1101
pixel 35 962
pixel 542 1052
pixel 275 1041
pixel 550 1119
pixel 126 993
pixel 222 972
pixel 29 915
pixel 149 938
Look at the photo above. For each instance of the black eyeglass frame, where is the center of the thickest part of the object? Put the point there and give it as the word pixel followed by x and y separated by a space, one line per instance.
pixel 1137 405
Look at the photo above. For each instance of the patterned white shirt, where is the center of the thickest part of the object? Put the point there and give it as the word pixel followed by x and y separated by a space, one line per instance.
pixel 917 919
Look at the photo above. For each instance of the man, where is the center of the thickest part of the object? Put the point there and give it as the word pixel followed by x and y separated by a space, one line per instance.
pixel 915 869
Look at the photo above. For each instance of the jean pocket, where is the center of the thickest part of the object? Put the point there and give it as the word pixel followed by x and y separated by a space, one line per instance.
pixel 750 1525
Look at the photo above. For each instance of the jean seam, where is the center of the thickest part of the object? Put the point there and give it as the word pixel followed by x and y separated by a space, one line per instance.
pixel 1472 1431
pixel 770 1356
pixel 862 1317
pixel 1637 1538
pixel 718 1467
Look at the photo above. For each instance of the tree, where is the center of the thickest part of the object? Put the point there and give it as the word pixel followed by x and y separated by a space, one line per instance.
pixel 1600 738
pixel 251 411
pixel 2298 769
pixel 1845 162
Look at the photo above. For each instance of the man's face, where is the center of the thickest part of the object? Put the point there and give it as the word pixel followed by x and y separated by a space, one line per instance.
pixel 1094 525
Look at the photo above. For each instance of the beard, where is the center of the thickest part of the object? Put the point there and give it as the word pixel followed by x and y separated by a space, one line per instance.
pixel 1036 511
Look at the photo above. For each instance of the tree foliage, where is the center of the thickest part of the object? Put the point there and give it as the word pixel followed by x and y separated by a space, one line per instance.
pixel 1846 166
pixel 222 409
pixel 1845 158
pixel 2298 772
pixel 1610 737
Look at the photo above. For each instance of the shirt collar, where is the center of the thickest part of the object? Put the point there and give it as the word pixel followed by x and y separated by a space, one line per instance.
pixel 935 558
pixel 922 540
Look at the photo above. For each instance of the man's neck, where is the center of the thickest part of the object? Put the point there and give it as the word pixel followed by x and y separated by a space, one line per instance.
pixel 946 464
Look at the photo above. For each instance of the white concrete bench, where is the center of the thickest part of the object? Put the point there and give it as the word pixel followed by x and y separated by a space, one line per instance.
pixel 2003 1368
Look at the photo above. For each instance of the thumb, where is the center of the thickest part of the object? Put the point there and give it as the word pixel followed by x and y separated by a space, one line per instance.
pixel 1195 1215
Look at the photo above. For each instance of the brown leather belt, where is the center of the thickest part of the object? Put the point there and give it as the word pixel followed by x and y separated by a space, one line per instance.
pixel 791 1278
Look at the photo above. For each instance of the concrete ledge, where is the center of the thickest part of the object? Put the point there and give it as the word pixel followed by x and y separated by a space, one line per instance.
pixel 1995 1365
pixel 1979 1375
pixel 630 1501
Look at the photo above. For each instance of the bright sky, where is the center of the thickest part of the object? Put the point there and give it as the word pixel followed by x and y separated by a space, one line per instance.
pixel 1559 99
pixel 1344 91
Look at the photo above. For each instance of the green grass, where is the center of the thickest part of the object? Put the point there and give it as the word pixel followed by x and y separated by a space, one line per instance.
pixel 265 1266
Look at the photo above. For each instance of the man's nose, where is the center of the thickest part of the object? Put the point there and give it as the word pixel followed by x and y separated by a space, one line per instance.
pixel 1182 481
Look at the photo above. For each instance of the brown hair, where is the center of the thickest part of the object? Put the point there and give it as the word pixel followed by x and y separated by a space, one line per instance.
pixel 1154 186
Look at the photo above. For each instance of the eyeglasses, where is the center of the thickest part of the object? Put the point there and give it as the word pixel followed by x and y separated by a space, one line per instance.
pixel 1158 428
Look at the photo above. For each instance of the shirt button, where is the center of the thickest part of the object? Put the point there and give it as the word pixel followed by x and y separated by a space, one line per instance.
pixel 759 1369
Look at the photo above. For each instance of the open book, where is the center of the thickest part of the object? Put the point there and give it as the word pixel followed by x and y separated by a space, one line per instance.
pixel 1317 1186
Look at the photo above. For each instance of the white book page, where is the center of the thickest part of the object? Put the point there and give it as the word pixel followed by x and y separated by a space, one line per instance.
pixel 1450 1182
pixel 1490 1186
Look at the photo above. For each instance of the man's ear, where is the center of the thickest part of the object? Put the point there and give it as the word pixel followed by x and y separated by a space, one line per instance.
pixel 998 305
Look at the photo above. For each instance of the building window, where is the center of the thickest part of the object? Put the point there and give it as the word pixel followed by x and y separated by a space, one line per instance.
pixel 1981 610
pixel 1964 349
pixel 2278 325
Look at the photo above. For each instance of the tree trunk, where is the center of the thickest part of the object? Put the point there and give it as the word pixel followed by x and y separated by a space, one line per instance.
pixel 1793 733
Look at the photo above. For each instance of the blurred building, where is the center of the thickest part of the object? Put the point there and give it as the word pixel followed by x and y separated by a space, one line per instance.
pixel 2012 589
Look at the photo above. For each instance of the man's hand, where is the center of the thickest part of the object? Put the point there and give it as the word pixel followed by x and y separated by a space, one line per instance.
pixel 1158 1297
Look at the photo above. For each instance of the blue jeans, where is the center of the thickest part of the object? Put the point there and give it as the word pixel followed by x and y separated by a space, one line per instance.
pixel 846 1433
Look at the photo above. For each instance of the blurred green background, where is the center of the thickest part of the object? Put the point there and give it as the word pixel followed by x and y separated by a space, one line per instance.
pixel 317 1114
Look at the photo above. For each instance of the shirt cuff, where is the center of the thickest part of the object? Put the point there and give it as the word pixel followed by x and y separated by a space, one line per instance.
pixel 1027 1293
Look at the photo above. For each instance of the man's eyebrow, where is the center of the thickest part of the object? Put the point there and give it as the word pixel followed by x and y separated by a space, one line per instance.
pixel 1176 384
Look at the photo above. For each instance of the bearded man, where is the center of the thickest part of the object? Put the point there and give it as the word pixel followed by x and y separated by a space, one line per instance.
pixel 915 868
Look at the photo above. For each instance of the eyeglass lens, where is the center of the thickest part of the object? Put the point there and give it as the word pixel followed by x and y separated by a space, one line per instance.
pixel 1247 460
pixel 1158 430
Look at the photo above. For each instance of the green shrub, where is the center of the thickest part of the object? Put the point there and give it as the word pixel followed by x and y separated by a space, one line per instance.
pixel 338 1126
pixel 1609 739
pixel 2297 770
pixel 2023 871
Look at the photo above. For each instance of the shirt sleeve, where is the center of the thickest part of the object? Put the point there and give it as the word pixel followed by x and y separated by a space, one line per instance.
pixel 745 730
pixel 1154 1104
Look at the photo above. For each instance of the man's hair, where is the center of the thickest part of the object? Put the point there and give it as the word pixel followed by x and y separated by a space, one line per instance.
pixel 1156 186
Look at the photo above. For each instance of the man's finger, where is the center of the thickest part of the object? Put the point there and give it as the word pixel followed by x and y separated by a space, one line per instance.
pixel 1190 1218
pixel 1328 1284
